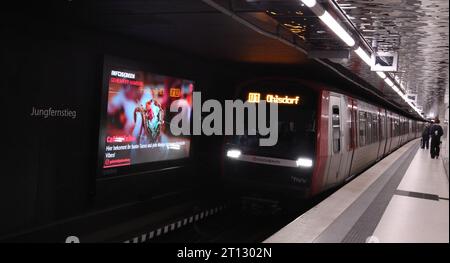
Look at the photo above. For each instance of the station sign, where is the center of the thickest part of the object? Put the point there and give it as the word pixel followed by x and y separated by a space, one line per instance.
pixel 255 97
pixel 384 61
pixel 412 97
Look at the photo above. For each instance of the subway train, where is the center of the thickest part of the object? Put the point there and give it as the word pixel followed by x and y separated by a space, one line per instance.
pixel 325 138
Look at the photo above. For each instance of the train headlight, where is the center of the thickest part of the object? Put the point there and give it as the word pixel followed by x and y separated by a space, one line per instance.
pixel 233 154
pixel 304 162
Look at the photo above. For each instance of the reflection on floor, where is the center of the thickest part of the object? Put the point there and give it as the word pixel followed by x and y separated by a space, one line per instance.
pixel 419 212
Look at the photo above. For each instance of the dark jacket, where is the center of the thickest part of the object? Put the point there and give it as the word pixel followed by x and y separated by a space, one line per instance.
pixel 426 132
pixel 436 132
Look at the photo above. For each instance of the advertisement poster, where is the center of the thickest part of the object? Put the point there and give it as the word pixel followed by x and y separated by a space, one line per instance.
pixel 138 118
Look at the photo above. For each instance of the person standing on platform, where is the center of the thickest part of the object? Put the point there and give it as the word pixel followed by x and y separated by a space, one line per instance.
pixel 436 132
pixel 426 137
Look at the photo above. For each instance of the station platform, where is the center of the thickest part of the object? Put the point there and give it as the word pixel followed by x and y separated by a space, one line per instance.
pixel 401 199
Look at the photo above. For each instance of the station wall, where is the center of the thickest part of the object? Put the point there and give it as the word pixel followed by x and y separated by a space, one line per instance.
pixel 49 163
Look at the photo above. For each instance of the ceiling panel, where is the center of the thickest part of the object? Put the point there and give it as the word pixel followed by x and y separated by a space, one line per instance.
pixel 192 26
pixel 418 30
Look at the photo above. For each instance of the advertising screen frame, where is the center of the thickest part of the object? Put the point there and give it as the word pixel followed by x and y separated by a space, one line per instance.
pixel 111 63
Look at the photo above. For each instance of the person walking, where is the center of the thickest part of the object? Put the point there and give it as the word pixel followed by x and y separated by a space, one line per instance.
pixel 436 132
pixel 426 137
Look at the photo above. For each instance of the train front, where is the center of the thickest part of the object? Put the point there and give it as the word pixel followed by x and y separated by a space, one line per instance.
pixel 283 171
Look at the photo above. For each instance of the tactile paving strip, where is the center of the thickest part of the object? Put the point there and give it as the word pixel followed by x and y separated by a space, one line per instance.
pixel 144 237
pixel 359 220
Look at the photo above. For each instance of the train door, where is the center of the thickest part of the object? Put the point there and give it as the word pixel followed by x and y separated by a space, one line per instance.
pixel 347 143
pixel 353 137
pixel 385 132
pixel 389 126
pixel 381 132
pixel 396 132
pixel 337 137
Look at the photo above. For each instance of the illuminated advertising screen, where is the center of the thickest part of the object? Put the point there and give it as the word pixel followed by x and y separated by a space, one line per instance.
pixel 136 129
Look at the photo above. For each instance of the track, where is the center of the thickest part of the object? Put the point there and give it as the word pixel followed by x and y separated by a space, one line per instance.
pixel 237 224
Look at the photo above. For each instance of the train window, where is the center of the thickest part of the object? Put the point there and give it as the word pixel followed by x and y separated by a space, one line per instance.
pixel 362 128
pixel 401 127
pixel 397 127
pixel 388 127
pixel 394 127
pixel 353 131
pixel 336 124
pixel 394 132
pixel 369 129
pixel 402 124
pixel 375 128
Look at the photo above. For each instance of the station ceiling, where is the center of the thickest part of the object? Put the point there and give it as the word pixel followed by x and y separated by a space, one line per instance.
pixel 277 31
pixel 419 31
pixel 190 26
pixel 416 29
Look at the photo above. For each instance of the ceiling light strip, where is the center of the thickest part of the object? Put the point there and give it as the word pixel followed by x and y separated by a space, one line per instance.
pixel 330 21
pixel 349 41
pixel 364 56
pixel 337 29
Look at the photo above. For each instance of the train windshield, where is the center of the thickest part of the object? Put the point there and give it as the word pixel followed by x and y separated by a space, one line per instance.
pixel 296 126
